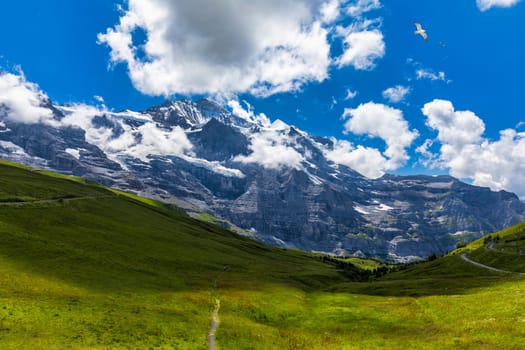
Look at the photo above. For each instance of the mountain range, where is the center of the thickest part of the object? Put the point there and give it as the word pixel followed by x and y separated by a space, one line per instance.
pixel 268 180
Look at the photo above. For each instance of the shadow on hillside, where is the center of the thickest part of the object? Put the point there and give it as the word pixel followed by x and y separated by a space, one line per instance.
pixel 117 244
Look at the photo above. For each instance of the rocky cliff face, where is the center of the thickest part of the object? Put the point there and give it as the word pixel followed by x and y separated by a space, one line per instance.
pixel 270 179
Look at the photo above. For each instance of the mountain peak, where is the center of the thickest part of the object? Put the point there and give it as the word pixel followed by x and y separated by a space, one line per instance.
pixel 190 114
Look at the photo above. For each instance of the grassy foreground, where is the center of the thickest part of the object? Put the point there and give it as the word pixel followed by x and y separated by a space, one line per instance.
pixel 83 267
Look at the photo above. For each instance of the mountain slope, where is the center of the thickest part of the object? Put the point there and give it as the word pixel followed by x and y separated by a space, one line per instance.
pixel 84 267
pixel 271 179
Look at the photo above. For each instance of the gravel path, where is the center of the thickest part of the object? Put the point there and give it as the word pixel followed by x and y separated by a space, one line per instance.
pixel 214 325
pixel 464 257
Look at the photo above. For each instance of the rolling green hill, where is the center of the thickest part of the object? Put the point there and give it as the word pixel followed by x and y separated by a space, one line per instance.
pixel 85 267
pixel 504 250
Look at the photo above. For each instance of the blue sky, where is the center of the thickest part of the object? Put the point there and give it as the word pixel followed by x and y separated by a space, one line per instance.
pixel 469 71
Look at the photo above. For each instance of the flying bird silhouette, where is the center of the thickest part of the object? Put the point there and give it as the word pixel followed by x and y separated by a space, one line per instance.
pixel 420 31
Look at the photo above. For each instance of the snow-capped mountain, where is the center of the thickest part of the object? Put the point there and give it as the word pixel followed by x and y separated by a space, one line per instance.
pixel 271 180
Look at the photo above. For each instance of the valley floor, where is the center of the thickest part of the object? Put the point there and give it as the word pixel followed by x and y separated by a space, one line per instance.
pixel 38 313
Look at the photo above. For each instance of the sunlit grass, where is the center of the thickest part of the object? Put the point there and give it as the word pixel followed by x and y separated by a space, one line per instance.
pixel 137 198
pixel 366 264
pixel 14 165
pixel 62 176
pixel 123 272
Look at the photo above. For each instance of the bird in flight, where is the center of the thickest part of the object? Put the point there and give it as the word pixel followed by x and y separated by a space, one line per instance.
pixel 420 31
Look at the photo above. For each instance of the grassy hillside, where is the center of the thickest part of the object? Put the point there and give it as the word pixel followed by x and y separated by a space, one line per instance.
pixel 84 267
pixel 503 250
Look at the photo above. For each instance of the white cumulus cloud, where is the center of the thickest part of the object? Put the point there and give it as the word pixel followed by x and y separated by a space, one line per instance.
pixel 365 160
pixel 455 128
pixel 485 5
pixel 22 101
pixel 362 47
pixel 231 46
pixel 378 120
pixel 330 11
pixel 396 93
pixel 270 148
pixel 498 164
pixel 155 141
pixel 208 46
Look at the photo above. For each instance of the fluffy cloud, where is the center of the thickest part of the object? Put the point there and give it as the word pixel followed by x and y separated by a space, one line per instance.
pixel 230 46
pixel 159 142
pixel 496 164
pixel 455 128
pixel 22 101
pixel 330 11
pixel 207 46
pixel 363 47
pixel 429 159
pixel 374 120
pixel 270 149
pixel 367 161
pixel 387 123
pixel 484 5
pixel 396 93
pixel 80 115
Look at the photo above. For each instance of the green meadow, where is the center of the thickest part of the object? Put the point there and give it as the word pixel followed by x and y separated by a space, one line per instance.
pixel 85 267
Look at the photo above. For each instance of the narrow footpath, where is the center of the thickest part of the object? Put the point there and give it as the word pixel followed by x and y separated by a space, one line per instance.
pixel 214 325
pixel 59 200
pixel 467 259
